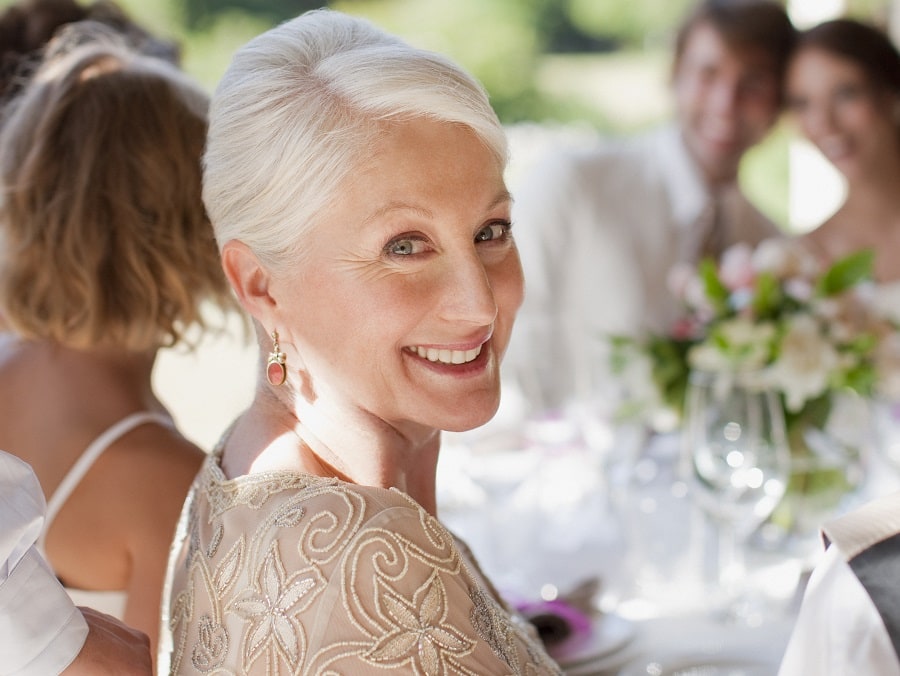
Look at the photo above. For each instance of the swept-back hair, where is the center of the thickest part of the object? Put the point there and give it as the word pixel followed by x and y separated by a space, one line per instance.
pixel 302 105
pixel 104 240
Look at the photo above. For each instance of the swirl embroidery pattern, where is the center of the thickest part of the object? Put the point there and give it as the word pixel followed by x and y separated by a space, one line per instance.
pixel 282 573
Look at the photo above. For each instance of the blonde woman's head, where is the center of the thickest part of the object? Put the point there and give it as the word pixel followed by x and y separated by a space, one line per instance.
pixel 104 240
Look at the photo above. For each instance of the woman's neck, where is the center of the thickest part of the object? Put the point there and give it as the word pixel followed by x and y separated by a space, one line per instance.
pixel 874 195
pixel 328 441
pixel 123 378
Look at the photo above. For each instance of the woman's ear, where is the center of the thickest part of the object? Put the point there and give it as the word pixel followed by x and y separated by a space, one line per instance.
pixel 249 279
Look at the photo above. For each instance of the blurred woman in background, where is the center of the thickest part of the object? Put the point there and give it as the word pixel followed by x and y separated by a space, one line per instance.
pixel 106 255
pixel 843 90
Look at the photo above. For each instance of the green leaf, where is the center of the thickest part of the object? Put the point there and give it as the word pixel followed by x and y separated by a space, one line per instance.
pixel 814 412
pixel 767 297
pixel 847 272
pixel 716 292
pixel 670 369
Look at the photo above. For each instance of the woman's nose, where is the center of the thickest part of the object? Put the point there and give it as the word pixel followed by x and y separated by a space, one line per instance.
pixel 819 119
pixel 469 296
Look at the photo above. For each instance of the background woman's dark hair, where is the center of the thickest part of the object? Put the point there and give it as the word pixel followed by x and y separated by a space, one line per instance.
pixel 27 26
pixel 864 44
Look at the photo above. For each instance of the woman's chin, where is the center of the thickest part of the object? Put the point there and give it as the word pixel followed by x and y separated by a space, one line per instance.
pixel 472 420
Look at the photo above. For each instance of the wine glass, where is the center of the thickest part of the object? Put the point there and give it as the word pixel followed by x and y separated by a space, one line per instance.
pixel 736 462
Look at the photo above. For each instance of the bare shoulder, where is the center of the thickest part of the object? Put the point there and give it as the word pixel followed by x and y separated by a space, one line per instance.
pixel 151 468
pixel 151 448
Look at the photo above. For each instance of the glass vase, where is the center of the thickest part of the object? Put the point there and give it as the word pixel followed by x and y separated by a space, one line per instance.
pixel 830 441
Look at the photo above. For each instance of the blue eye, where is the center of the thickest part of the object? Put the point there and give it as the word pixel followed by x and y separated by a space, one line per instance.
pixel 493 232
pixel 405 246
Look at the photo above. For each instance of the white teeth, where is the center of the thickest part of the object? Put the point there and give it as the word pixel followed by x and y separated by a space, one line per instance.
pixel 447 356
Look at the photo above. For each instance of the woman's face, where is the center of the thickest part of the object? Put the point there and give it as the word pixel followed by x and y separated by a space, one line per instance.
pixel 404 302
pixel 840 110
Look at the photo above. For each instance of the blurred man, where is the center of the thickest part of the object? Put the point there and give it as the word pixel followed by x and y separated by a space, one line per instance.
pixel 600 229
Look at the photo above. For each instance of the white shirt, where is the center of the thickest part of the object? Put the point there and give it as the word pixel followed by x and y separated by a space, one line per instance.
pixel 598 230
pixel 839 631
pixel 41 630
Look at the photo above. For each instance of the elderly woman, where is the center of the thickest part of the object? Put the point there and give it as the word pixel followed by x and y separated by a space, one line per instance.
pixel 355 185
pixel 106 256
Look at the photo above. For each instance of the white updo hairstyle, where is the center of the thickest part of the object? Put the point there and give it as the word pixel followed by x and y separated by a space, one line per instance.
pixel 302 105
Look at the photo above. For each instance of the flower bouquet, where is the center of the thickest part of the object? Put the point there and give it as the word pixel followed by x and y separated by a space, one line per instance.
pixel 824 339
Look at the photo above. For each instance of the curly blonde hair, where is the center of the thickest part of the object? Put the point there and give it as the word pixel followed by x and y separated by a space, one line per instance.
pixel 104 240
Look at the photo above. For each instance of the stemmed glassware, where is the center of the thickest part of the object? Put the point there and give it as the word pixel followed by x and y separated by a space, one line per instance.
pixel 736 462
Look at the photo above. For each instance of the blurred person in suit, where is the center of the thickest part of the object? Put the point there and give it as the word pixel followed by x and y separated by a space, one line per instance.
pixel 600 228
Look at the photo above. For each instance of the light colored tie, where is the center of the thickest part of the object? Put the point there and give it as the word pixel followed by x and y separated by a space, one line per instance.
pixel 708 236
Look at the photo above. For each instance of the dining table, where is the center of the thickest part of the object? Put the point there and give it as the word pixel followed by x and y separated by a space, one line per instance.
pixel 562 503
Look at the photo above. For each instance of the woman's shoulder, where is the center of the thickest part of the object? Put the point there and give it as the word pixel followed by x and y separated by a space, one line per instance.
pixel 148 445
pixel 369 578
pixel 272 491
pixel 145 466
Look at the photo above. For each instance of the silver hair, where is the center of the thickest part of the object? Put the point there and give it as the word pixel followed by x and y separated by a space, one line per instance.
pixel 302 105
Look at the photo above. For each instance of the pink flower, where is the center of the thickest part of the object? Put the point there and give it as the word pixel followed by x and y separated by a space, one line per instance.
pixel 679 280
pixel 736 269
pixel 685 328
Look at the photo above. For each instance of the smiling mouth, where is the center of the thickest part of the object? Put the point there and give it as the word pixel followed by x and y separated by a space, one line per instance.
pixel 447 356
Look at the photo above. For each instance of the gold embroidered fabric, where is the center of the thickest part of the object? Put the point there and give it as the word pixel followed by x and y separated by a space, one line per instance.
pixel 284 573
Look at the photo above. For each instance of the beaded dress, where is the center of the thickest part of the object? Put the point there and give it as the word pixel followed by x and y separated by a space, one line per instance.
pixel 286 573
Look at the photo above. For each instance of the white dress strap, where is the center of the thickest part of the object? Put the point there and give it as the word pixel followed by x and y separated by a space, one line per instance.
pixel 89 457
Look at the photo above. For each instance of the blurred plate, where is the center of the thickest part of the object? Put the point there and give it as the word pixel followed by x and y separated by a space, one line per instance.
pixel 700 666
pixel 609 634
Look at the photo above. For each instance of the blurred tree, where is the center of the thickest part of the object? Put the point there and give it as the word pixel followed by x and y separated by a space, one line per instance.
pixel 635 24
pixel 199 13
pixel 500 42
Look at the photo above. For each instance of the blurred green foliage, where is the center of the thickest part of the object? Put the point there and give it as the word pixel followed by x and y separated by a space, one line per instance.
pixel 601 63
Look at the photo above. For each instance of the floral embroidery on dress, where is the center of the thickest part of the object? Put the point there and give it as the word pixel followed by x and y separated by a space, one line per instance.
pixel 291 574
pixel 495 631
pixel 271 609
pixel 210 651
pixel 419 634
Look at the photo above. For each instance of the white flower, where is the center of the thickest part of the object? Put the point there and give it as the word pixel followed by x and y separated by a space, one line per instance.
pixel 738 343
pixel 887 365
pixel 785 258
pixel 686 285
pixel 736 269
pixel 707 357
pixel 805 364
pixel 799 289
pixel 886 301
pixel 678 279
pixel 637 377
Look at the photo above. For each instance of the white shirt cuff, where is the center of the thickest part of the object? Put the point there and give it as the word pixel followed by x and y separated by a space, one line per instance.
pixel 41 630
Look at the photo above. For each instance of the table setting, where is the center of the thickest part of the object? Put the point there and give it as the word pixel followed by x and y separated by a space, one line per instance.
pixel 664 520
